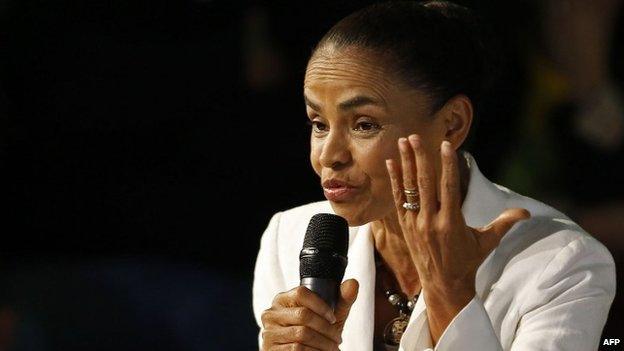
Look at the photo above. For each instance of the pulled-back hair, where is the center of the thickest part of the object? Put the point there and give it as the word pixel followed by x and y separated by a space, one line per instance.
pixel 436 47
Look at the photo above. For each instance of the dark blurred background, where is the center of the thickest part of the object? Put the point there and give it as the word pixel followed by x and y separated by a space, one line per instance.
pixel 145 144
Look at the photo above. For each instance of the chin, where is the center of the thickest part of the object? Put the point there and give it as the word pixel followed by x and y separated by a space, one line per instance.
pixel 356 214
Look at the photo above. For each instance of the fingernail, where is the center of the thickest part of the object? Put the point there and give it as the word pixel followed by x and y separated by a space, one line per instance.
pixel 446 147
pixel 414 140
pixel 403 144
pixel 331 318
pixel 388 163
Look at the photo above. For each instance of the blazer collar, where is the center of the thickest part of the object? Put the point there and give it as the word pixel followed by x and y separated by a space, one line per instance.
pixel 484 200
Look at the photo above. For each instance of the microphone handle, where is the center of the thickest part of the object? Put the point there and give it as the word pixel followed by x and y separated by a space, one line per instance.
pixel 327 289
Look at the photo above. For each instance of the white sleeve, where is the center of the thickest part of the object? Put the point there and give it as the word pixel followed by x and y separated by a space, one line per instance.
pixel 576 290
pixel 268 278
pixel 566 311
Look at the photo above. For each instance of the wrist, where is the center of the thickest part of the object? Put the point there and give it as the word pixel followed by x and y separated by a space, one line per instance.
pixel 449 301
pixel 443 307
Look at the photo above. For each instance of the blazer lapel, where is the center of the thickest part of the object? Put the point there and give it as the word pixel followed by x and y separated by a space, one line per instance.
pixel 483 203
pixel 359 327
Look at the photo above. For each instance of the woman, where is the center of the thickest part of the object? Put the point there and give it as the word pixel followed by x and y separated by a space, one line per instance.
pixel 438 255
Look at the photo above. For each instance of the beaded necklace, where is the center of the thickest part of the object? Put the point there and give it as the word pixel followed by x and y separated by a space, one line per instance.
pixel 394 330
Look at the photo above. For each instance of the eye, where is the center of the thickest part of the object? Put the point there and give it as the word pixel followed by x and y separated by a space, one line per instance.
pixel 367 126
pixel 317 126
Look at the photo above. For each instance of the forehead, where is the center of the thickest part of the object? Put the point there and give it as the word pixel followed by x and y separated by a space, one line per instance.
pixel 349 71
pixel 335 75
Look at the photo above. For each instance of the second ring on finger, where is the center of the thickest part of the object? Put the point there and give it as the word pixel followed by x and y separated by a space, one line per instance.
pixel 412 195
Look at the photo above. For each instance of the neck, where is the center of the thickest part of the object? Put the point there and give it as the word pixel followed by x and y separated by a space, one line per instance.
pixel 391 246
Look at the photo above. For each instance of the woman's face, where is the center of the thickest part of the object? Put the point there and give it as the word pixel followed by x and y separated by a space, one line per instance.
pixel 358 111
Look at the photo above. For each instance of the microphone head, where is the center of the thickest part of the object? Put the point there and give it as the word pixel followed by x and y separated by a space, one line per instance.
pixel 325 246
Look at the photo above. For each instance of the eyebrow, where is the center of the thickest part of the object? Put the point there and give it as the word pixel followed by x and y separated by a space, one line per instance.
pixel 354 102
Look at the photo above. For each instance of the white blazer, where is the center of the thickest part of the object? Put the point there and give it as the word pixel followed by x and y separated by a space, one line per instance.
pixel 547 286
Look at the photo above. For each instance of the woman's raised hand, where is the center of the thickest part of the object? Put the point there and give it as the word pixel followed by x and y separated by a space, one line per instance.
pixel 300 320
pixel 445 251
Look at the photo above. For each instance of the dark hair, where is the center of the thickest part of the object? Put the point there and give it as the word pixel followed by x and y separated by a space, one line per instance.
pixel 436 47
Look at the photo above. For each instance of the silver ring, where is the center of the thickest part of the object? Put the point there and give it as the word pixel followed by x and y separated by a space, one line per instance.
pixel 411 206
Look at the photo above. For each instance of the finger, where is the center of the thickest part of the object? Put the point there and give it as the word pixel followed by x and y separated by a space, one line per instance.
pixel 408 166
pixel 426 178
pixel 304 297
pixel 397 187
pixel 295 316
pixel 291 347
pixel 450 196
pixel 300 335
pixel 490 236
pixel 348 294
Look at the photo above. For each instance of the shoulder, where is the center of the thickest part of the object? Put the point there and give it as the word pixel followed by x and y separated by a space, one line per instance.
pixel 550 248
pixel 299 215
pixel 278 257
pixel 288 227
pixel 548 227
pixel 549 241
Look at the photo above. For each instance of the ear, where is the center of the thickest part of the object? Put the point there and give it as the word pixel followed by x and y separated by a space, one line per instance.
pixel 457 114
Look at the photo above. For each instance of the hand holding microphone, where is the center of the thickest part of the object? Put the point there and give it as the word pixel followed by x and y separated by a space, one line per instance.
pixel 302 318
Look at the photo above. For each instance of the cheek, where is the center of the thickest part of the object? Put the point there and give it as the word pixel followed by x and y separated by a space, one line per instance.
pixel 373 157
pixel 315 154
pixel 373 163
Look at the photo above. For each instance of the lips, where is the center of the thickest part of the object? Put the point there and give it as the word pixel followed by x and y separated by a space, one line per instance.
pixel 338 190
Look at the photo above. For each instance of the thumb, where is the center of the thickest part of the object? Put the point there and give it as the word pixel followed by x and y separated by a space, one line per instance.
pixel 348 294
pixel 490 236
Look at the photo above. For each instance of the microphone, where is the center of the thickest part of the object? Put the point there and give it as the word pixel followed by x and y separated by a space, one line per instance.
pixel 323 258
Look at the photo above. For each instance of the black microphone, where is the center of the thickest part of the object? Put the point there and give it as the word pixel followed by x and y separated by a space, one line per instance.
pixel 323 258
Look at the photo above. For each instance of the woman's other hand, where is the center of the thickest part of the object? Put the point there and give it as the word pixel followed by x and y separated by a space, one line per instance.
pixel 300 320
pixel 445 251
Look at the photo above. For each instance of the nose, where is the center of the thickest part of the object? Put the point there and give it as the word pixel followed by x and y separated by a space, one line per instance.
pixel 336 150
